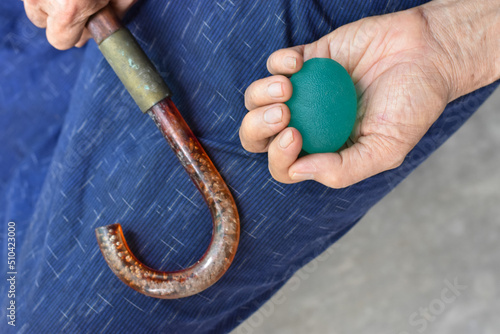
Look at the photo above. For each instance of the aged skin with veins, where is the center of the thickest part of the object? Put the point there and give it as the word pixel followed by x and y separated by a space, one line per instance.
pixel 407 66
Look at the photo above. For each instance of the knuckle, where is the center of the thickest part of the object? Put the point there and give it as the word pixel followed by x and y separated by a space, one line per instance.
pixel 34 15
pixel 31 3
pixel 332 182
pixel 66 18
pixel 245 146
pixel 276 169
pixel 248 144
pixel 396 163
pixel 268 63
pixel 275 175
pixel 55 42
pixel 248 97
pixel 243 140
pixel 271 62
pixel 68 13
pixel 67 5
pixel 336 182
pixel 247 131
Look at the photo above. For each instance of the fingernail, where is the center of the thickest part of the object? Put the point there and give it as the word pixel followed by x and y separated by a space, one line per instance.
pixel 302 177
pixel 291 62
pixel 286 138
pixel 303 171
pixel 275 89
pixel 273 115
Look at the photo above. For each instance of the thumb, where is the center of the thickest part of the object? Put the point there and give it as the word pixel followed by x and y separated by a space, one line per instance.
pixel 370 155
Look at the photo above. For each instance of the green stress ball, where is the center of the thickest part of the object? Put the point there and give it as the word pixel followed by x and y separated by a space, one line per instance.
pixel 323 105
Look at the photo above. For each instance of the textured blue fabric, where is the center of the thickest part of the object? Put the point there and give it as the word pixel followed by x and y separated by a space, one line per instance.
pixel 76 153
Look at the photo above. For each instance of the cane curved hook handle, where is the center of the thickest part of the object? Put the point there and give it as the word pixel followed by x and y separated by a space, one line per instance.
pixel 153 96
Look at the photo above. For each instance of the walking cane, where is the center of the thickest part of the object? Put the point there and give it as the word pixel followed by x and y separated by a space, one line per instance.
pixel 152 95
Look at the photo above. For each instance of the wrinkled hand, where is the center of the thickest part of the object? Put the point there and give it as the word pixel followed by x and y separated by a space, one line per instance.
pixel 65 20
pixel 397 69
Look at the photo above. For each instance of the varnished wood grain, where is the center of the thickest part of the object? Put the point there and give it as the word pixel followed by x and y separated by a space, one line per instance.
pixel 103 23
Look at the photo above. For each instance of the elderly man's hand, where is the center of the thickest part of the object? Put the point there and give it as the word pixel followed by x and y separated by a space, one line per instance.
pixel 405 70
pixel 65 20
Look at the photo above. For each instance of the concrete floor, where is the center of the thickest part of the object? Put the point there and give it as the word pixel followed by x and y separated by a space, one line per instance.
pixel 426 259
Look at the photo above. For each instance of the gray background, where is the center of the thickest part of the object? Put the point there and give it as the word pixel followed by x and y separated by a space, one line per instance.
pixel 391 273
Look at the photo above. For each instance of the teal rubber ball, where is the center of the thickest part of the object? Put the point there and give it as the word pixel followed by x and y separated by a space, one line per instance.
pixel 323 105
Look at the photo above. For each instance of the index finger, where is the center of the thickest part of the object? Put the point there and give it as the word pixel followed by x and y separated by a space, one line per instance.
pixel 286 61
pixel 66 21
